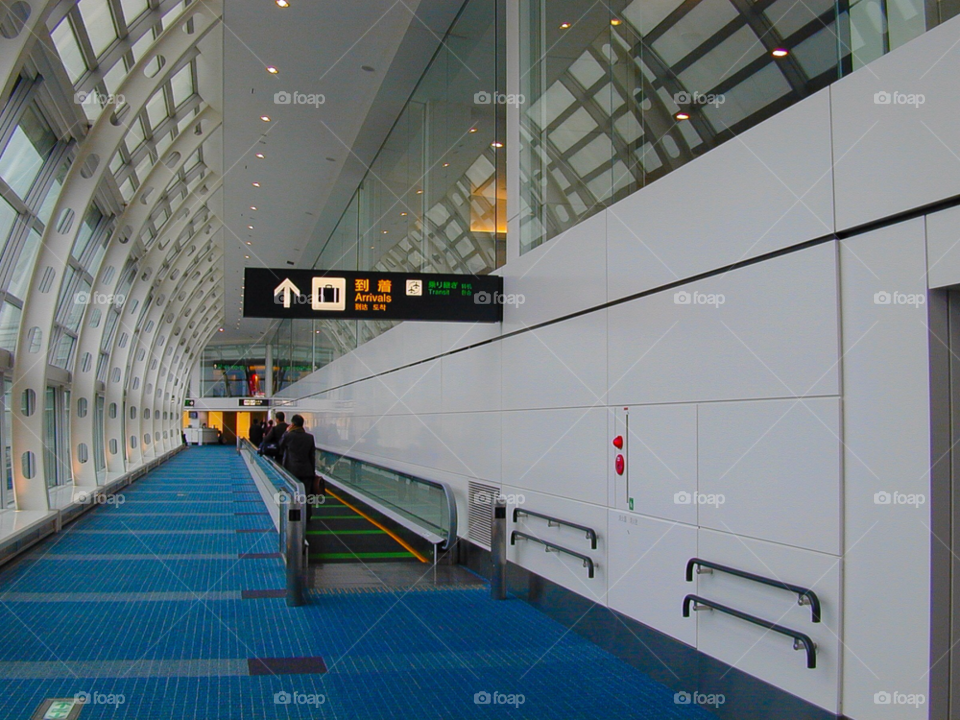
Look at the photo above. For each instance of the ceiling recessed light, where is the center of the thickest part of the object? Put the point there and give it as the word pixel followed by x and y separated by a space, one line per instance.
pixel 253 207
pixel 615 21
pixel 367 68
pixel 283 4
pixel 446 164
pixel 496 144
pixel 249 227
pixel 385 232
pixel 265 118
pixel 249 243
pixel 403 214
pixel 419 192
pixel 780 52
pixel 261 156
pixel 682 116
pixel 272 70
pixel 256 184
pixel 247 257
pixel 473 130
pixel 564 26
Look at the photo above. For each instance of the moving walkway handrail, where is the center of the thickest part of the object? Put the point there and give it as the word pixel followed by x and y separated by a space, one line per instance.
pixel 805 595
pixel 292 505
pixel 799 639
pixel 449 498
pixel 591 533
pixel 587 561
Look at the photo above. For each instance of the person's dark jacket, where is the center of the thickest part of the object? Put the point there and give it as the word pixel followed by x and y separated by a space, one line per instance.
pixel 276 432
pixel 256 434
pixel 297 451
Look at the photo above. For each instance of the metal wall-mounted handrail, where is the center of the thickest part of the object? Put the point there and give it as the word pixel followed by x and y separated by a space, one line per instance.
pixel 450 499
pixel 799 639
pixel 587 561
pixel 292 505
pixel 805 595
pixel 591 533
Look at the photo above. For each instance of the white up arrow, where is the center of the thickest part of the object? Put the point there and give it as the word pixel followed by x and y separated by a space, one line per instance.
pixel 286 287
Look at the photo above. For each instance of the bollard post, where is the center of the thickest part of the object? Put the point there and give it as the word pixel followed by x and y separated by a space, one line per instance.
pixel 498 550
pixel 295 521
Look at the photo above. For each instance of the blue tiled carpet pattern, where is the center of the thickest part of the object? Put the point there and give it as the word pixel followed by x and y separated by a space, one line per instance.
pixel 143 601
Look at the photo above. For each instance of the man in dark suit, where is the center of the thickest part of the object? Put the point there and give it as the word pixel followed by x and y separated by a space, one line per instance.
pixel 271 442
pixel 298 455
pixel 256 433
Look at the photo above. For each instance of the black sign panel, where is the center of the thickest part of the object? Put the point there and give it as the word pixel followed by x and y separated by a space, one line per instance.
pixel 254 402
pixel 352 295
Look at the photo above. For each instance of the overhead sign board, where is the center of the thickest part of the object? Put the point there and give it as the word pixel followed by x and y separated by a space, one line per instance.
pixel 254 402
pixel 352 295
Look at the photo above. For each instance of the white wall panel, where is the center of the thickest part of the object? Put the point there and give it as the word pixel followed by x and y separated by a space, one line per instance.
pixel 560 568
pixel 646 561
pixel 413 390
pixel 775 335
pixel 887 449
pixel 471 379
pixel 560 452
pixel 766 189
pixel 777 466
pixel 560 277
pixel 943 248
pixel 896 157
pixel 767 655
pixel 562 365
pixel 661 462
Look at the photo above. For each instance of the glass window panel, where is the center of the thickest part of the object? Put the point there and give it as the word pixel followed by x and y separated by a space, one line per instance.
pixel 23 157
pixel 8 438
pixel 135 134
pixel 53 194
pixel 127 189
pixel 115 76
pixel 9 326
pixel 157 109
pixel 182 85
pixel 63 351
pixel 23 269
pixel 69 50
pixel 50 437
pixel 132 9
pixel 7 217
pixel 141 46
pixel 98 22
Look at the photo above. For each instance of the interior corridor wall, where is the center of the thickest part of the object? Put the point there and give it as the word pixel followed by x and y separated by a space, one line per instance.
pixel 769 349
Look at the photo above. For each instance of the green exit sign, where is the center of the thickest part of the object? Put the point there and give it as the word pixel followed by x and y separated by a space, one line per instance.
pixel 58 709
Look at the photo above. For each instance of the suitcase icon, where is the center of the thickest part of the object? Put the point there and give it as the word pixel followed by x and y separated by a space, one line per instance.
pixel 329 294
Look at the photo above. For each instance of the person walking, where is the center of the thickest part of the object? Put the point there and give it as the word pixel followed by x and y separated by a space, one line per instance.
pixel 256 433
pixel 271 441
pixel 298 455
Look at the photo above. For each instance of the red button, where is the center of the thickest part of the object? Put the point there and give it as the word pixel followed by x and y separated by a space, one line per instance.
pixel 618 442
pixel 619 464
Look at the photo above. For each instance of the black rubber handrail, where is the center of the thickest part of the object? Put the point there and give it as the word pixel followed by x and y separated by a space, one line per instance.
pixel 805 595
pixel 799 639
pixel 591 533
pixel 587 561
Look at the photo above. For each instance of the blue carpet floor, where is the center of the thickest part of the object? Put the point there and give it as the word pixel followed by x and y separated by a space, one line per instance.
pixel 144 602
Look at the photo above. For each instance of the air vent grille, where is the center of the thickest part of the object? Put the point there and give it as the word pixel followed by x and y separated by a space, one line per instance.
pixel 480 512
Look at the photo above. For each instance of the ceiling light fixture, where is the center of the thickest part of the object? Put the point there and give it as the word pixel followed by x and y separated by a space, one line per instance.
pixel 496 144
pixel 261 156
pixel 403 214
pixel 564 26
pixel 419 192
pixel 682 116
pixel 272 70
pixel 446 164
pixel 780 52
pixel 473 130
pixel 256 184
pixel 283 4
pixel 253 207
pixel 249 227
pixel 615 21
pixel 265 118
pixel 247 257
